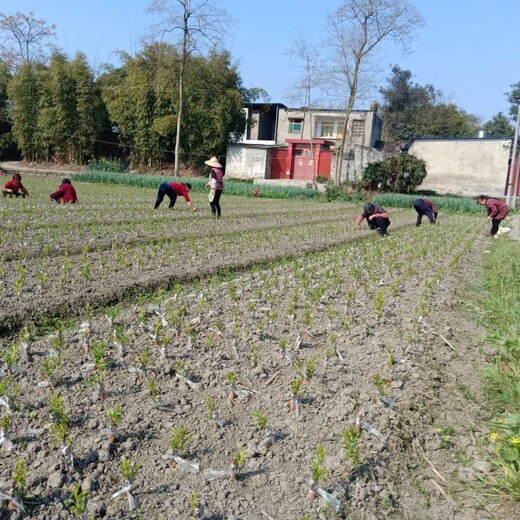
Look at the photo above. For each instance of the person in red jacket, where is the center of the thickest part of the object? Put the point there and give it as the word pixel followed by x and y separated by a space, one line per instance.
pixel 15 187
pixel 425 207
pixel 497 211
pixel 173 190
pixel 376 216
pixel 66 193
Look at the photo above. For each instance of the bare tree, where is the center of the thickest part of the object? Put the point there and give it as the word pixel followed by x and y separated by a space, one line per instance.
pixel 25 37
pixel 190 25
pixel 358 28
pixel 306 57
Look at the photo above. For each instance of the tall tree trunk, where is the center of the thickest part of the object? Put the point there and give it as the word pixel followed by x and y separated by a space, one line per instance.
pixel 181 85
pixel 346 135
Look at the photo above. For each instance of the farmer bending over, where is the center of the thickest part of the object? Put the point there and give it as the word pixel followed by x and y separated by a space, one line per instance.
pixel 425 207
pixel 376 216
pixel 497 211
pixel 66 193
pixel 173 189
pixel 15 187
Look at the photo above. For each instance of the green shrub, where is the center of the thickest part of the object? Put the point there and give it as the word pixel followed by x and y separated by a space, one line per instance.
pixel 104 164
pixel 344 192
pixel 401 174
pixel 320 179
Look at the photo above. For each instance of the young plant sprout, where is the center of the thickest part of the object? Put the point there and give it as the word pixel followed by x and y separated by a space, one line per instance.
pixel 58 413
pixel 178 441
pixel 294 403
pixel 319 475
pixel 305 369
pixel 11 357
pixel 213 412
pixel 59 432
pixel 232 380
pixel 152 389
pixel 120 339
pixel 5 441
pixel 18 487
pixel 114 416
pixel 260 420
pixel 350 438
pixel 111 314
pixel 129 470
pixel 77 502
pixel 318 472
pixel 239 463
pixel 381 384
pixel 51 366
pixel 196 506
pixel 183 372
pixel 254 357
pixel 25 343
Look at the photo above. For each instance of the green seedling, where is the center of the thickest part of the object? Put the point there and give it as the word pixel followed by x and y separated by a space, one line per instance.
pixel 381 384
pixel 283 343
pixel 115 415
pixel 19 477
pixel 306 369
pixel 11 357
pixel 318 472
pixel 239 462
pixel 77 502
pixel 59 432
pixel 179 439
pixel 260 419
pixel 210 405
pixel 129 469
pixel 58 412
pixel 350 438
pixel 98 355
pixel 254 357
pixel 152 388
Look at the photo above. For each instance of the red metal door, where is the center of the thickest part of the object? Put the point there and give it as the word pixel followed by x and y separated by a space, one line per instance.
pixel 303 164
pixel 278 163
pixel 325 163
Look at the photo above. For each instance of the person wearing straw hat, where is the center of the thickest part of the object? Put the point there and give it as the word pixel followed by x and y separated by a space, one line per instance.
pixel 215 184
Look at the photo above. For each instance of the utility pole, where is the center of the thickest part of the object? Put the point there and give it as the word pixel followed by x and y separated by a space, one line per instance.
pixel 512 190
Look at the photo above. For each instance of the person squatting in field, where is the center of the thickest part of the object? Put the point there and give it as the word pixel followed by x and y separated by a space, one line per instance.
pixel 425 207
pixel 66 193
pixel 376 216
pixel 15 187
pixel 497 211
pixel 216 185
pixel 174 189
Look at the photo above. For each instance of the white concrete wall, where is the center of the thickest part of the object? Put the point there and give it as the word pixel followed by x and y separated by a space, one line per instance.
pixel 352 170
pixel 247 162
pixel 464 166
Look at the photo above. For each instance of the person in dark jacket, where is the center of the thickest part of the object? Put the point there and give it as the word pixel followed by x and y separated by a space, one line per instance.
pixel 497 211
pixel 376 216
pixel 216 185
pixel 66 193
pixel 15 187
pixel 173 190
pixel 425 207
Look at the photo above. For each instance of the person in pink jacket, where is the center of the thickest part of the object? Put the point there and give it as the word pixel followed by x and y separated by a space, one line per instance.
pixel 497 211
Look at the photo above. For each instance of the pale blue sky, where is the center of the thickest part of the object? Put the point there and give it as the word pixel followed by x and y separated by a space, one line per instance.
pixel 467 48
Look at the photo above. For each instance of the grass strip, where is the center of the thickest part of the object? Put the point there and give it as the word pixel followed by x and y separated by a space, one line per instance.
pixel 444 203
pixel 231 187
pixel 501 307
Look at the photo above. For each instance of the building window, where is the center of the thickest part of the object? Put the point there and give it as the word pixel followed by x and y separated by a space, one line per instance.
pixel 327 129
pixel 358 127
pixel 295 126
